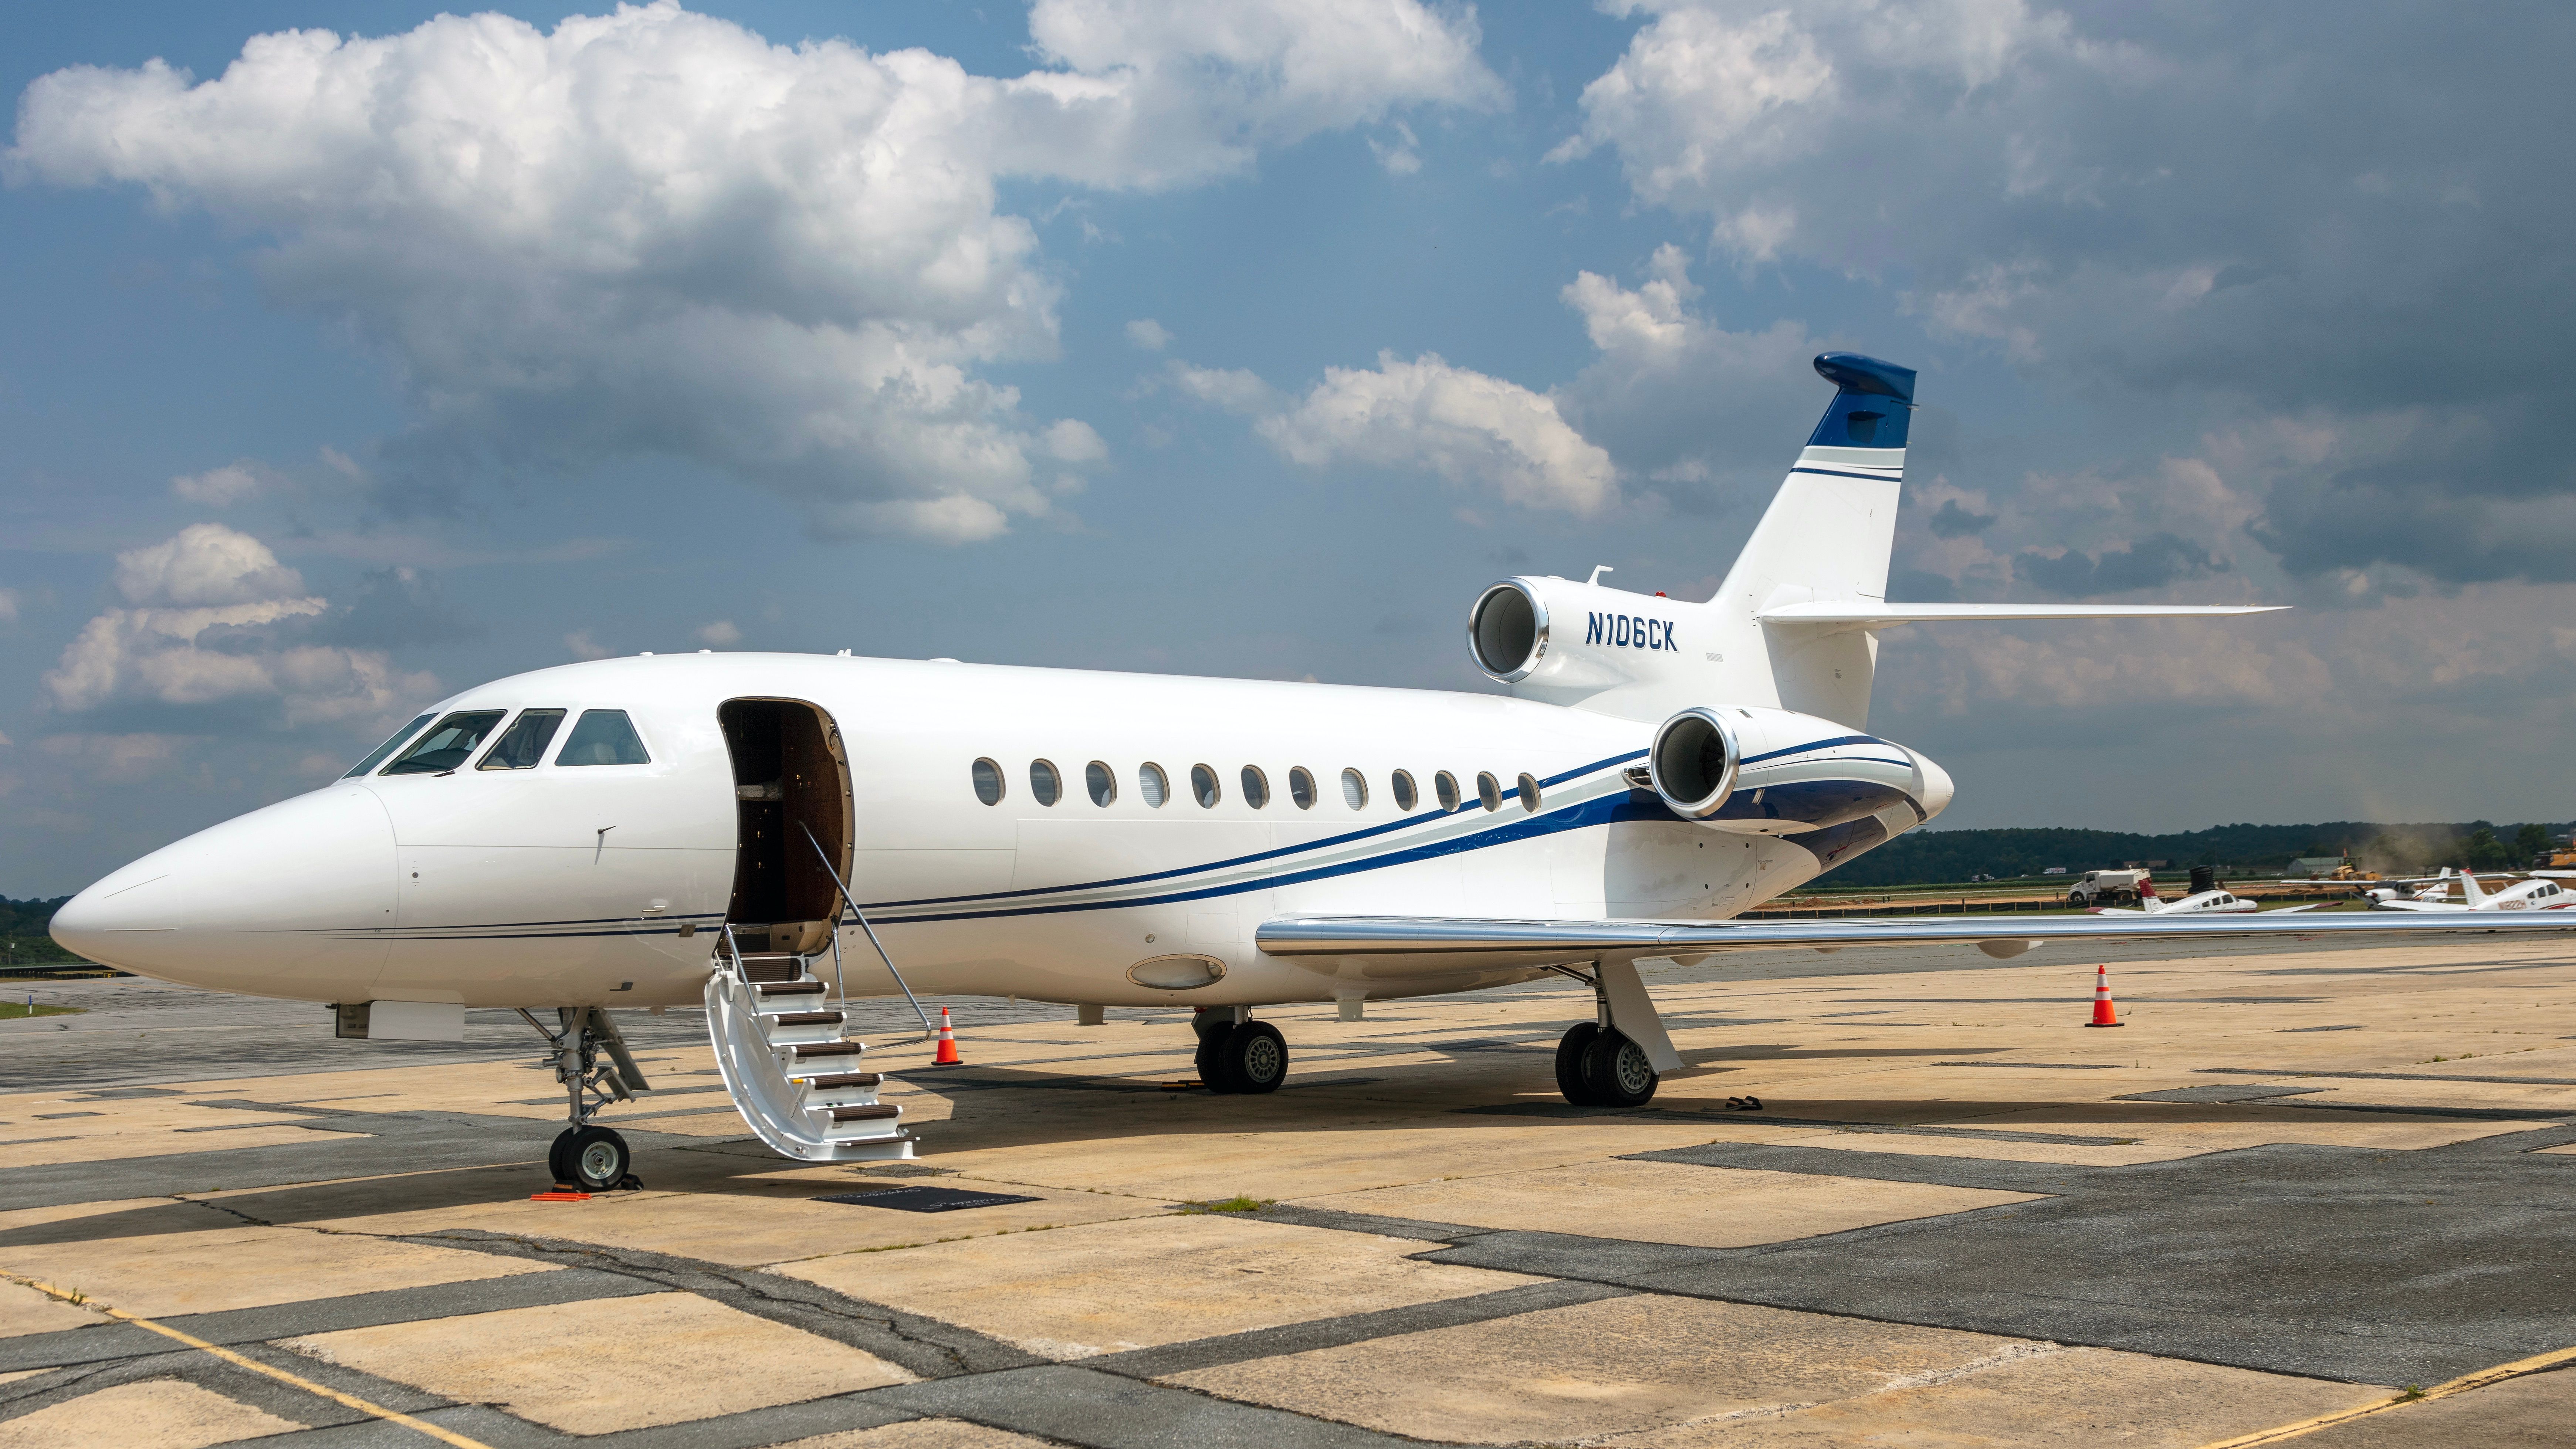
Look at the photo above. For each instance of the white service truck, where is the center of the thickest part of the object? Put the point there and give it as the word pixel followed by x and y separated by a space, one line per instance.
pixel 2110 888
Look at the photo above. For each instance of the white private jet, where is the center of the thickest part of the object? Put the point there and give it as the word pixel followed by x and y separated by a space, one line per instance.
pixel 770 833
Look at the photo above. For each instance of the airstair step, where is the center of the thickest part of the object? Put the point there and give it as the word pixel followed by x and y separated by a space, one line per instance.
pixel 792 988
pixel 806 1018
pixel 879 1113
pixel 839 1080
pixel 773 971
pixel 810 1054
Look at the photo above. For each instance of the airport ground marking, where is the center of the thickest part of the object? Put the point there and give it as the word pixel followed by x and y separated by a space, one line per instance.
pixel 347 1401
pixel 2520 1367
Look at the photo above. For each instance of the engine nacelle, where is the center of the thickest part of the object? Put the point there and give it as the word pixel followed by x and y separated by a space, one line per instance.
pixel 1555 638
pixel 1693 763
pixel 1758 771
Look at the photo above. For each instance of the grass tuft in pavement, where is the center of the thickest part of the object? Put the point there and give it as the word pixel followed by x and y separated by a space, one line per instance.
pixel 1235 1204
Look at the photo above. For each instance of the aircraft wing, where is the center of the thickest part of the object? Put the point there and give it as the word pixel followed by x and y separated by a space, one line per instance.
pixel 1404 947
pixel 1864 614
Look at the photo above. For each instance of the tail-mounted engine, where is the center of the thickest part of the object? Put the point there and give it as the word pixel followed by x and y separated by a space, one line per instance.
pixel 1556 639
pixel 1694 761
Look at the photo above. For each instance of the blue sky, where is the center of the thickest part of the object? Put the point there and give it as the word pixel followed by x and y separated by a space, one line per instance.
pixel 341 371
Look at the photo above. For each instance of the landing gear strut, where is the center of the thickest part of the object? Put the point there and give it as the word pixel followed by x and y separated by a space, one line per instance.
pixel 1237 1055
pixel 587 1157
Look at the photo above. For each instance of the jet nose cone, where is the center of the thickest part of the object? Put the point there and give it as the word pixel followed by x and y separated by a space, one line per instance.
pixel 293 900
pixel 1936 784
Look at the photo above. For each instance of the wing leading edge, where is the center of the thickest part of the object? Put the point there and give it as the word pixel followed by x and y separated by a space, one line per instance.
pixel 1395 947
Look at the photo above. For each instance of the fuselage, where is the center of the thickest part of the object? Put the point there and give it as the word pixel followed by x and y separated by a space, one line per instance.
pixel 1056 834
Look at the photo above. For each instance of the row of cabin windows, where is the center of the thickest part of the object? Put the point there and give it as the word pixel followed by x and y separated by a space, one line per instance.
pixel 1046 786
pixel 599 737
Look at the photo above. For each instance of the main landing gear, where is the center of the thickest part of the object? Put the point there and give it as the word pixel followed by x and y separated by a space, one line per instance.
pixel 1237 1054
pixel 1617 1058
pixel 1597 1067
pixel 587 1157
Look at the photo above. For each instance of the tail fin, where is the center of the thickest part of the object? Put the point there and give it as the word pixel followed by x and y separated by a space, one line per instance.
pixel 2470 889
pixel 1825 540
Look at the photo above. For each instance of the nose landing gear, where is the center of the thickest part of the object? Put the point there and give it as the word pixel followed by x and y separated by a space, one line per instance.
pixel 587 1157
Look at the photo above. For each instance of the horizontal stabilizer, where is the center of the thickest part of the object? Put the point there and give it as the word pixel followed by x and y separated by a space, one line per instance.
pixel 1863 614
pixel 1426 946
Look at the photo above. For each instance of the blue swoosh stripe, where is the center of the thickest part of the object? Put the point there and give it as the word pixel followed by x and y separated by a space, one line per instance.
pixel 1839 473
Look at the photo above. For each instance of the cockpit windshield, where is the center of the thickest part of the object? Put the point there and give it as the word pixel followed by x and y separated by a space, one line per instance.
pixel 377 756
pixel 448 744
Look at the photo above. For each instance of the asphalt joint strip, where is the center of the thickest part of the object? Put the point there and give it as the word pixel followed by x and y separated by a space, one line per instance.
pixel 924 1346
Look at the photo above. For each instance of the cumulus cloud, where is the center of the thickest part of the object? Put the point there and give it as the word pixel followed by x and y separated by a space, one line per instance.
pixel 1149 334
pixel 230 484
pixel 1424 415
pixel 218 631
pixel 721 634
pixel 1461 424
pixel 2259 222
pixel 653 232
pixel 1679 399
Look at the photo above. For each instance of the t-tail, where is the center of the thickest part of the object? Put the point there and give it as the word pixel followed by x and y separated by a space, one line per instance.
pixel 1796 623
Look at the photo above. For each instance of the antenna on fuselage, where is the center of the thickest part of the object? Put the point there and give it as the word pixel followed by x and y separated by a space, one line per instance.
pixel 1597 571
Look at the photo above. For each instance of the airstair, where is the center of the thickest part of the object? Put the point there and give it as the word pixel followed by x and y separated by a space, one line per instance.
pixel 778 1029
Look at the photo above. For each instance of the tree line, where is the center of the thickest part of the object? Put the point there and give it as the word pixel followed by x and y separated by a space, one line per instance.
pixel 1927 857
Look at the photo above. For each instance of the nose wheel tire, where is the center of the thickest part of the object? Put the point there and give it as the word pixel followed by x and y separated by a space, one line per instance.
pixel 1616 1072
pixel 591 1159
pixel 1253 1057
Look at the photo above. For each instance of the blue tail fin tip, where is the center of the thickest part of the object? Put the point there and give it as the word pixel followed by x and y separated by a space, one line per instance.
pixel 1853 372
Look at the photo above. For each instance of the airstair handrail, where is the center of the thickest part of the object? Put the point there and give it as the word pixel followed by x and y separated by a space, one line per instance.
pixel 927 1030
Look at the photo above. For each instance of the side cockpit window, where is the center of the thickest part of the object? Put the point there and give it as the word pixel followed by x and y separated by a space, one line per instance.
pixel 603 737
pixel 388 747
pixel 449 743
pixel 523 744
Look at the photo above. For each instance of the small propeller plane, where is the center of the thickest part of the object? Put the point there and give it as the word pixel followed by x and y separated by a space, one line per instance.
pixel 770 834
pixel 2535 894
pixel 2198 903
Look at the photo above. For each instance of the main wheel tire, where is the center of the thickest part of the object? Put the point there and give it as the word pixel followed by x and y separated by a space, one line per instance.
pixel 1616 1072
pixel 598 1158
pixel 1254 1058
pixel 1569 1062
pixel 1211 1061
pixel 559 1156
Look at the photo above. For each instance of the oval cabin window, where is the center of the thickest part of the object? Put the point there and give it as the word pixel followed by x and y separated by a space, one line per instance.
pixel 1489 791
pixel 1355 789
pixel 1256 787
pixel 1405 795
pixel 1447 786
pixel 1152 785
pixel 1043 782
pixel 1301 788
pixel 1101 783
pixel 1203 787
pixel 1529 793
pixel 988 782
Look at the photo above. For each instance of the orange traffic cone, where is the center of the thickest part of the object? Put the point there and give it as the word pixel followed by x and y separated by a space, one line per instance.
pixel 2102 1015
pixel 947 1044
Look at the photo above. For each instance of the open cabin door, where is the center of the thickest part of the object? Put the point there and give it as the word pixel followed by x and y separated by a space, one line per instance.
pixel 790 775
